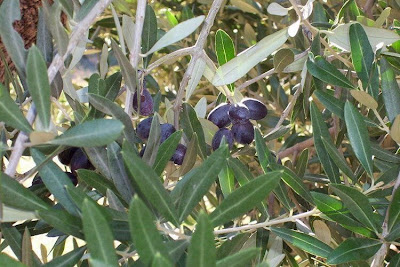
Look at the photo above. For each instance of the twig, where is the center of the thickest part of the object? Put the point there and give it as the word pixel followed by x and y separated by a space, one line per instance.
pixel 268 223
pixel 195 56
pixel 288 109
pixel 136 49
pixel 55 66
pixel 300 146
pixel 381 254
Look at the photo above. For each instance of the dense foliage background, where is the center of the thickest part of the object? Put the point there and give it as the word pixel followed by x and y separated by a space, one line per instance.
pixel 316 187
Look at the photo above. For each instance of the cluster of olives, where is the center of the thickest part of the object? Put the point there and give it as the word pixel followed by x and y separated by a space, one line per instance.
pixel 73 157
pixel 239 115
pixel 143 128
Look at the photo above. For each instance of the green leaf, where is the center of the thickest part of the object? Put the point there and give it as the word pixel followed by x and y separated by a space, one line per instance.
pixel 243 176
pixel 390 90
pixel 10 12
pixel 176 248
pixel 200 180
pixel 177 33
pixel 113 86
pixel 166 151
pixel 233 245
pixel 358 136
pixel 128 72
pixel 16 195
pixel 245 61
pixel 150 184
pixel 357 203
pixel 190 156
pixel 39 87
pixel 295 182
pixel 27 253
pixel 62 221
pixel 336 211
pixel 6 260
pixel 242 258
pixel 303 241
pixel 338 158
pixel 394 211
pixel 362 54
pixel 98 234
pixel 159 260
pixel 55 180
pixel 171 18
pixel 394 261
pixel 326 72
pixel 354 249
pixel 97 181
pixel 201 251
pixel 321 130
pixel 153 142
pixel 264 155
pixel 13 238
pixel 190 125
pixel 226 180
pixel 67 260
pixel 245 198
pixel 149 33
pixel 118 172
pixel 10 113
pixel 302 163
pixel 108 107
pixel 91 133
pixel 225 49
pixel 144 233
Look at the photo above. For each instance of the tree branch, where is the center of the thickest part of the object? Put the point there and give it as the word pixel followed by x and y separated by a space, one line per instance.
pixel 55 66
pixel 197 54
pixel 136 49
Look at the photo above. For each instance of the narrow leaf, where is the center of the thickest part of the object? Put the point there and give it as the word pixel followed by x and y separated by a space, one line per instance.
pixel 226 180
pixel 295 182
pixel 144 233
pixel 245 198
pixel 390 90
pixel 245 61
pixel 394 211
pixel 6 260
pixel 177 33
pixel 149 183
pixel 321 130
pixel 201 251
pixel 357 203
pixel 303 241
pixel 326 72
pixel 66 260
pixel 91 133
pixel 242 258
pixel 62 221
pixel 98 234
pixel 16 195
pixel 224 49
pixel 338 158
pixel 128 72
pixel 149 33
pixel 10 113
pixel 362 54
pixel 200 180
pixel 354 249
pixel 166 151
pixel 358 135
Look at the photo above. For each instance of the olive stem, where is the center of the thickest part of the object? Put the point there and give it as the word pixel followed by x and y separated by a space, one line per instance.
pixel 136 49
pixel 196 55
pixel 56 64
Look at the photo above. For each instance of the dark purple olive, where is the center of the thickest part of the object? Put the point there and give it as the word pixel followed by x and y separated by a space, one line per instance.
pixel 219 115
pixel 37 180
pixel 65 156
pixel 238 113
pixel 79 161
pixel 243 132
pixel 179 154
pixel 166 130
pixel 143 128
pixel 72 177
pixel 256 108
pixel 146 103
pixel 223 132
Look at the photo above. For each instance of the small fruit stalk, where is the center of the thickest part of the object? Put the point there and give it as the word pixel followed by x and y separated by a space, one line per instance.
pixel 239 114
